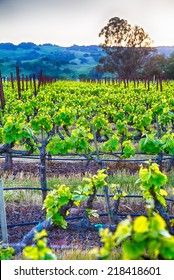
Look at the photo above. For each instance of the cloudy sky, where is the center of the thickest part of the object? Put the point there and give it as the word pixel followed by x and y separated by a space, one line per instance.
pixel 68 22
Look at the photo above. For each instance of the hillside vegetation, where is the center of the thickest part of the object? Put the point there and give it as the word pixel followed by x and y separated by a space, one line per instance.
pixel 61 62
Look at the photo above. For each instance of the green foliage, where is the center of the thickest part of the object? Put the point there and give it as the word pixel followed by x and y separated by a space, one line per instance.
pixel 6 253
pixel 128 149
pixel 64 113
pixel 101 123
pixel 168 143
pixel 117 193
pixel 92 213
pixel 169 66
pixel 89 185
pixel 143 238
pixel 112 144
pixel 65 116
pixel 53 203
pixel 150 145
pixel 151 180
pixel 1 136
pixel 108 239
pixel 55 61
pixel 80 140
pixel 40 251
pixel 59 146
pixel 97 180
pixel 62 195
pixel 143 121
pixel 121 126
pixel 41 121
pixel 15 129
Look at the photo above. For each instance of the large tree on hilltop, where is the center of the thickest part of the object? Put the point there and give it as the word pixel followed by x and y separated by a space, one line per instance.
pixel 126 48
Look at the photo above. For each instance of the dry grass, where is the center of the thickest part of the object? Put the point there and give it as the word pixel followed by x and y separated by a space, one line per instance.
pixel 122 178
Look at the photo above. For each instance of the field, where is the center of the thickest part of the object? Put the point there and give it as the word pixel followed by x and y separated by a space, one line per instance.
pixel 79 140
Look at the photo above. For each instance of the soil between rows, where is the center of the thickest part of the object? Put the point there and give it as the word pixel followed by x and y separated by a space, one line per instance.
pixel 68 167
pixel 20 213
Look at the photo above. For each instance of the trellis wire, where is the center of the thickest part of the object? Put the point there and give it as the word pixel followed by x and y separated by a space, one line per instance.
pixel 79 217
pixel 99 195
pixel 71 157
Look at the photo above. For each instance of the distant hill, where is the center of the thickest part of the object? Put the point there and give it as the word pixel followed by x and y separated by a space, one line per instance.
pixel 165 50
pixel 62 62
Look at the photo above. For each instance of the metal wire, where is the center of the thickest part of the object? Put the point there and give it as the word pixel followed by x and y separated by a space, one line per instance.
pixel 79 218
pixel 99 195
pixel 72 157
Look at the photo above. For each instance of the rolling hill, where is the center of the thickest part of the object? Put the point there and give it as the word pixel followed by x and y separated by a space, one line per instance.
pixel 61 62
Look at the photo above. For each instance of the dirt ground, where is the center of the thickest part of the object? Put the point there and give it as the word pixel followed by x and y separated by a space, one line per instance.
pixel 68 167
pixel 20 213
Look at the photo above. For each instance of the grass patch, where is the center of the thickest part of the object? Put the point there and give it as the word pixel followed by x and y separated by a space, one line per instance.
pixel 22 196
pixel 60 180
pixel 123 179
pixel 78 254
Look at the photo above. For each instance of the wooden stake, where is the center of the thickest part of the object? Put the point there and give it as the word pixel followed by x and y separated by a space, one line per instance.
pixel 23 82
pixel 18 82
pixel 26 82
pixel 12 80
pixel 2 99
pixel 3 215
pixel 34 82
pixel 40 79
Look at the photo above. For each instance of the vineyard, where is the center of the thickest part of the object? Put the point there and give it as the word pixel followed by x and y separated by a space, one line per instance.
pixel 98 122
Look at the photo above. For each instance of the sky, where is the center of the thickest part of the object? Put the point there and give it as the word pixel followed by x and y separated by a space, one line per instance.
pixel 69 22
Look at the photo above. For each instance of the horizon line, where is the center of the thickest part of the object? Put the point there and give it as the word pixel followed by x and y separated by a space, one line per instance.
pixel 53 44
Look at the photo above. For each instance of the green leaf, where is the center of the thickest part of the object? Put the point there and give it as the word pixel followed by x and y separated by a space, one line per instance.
pixel 144 174
pixel 150 145
pixel 123 230
pixel 157 223
pixel 129 149
pixel 141 224
pixel 112 144
pixel 133 251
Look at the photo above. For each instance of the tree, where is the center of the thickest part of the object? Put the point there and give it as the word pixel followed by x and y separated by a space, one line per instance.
pixel 126 48
pixel 155 66
pixel 170 66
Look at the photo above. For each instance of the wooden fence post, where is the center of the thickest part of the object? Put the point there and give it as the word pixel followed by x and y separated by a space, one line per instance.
pixel 3 215
pixel 34 82
pixel 12 80
pixel 18 82
pixel 2 99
